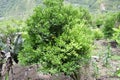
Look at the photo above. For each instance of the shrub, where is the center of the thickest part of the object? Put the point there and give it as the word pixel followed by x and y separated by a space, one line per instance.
pixel 110 23
pixel 116 35
pixel 97 34
pixel 99 21
pixel 58 38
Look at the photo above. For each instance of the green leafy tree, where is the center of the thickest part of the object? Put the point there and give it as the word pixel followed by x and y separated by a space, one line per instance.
pixel 58 38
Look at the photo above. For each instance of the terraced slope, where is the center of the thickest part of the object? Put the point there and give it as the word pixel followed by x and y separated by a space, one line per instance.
pixel 16 7
pixel 23 7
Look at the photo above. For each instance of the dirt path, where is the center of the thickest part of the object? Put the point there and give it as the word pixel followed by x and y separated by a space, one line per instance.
pixel 106 64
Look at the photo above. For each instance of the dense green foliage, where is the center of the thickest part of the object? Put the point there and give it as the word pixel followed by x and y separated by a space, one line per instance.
pixel 109 24
pixel 106 22
pixel 58 37
pixel 97 34
pixel 116 35
pixel 109 21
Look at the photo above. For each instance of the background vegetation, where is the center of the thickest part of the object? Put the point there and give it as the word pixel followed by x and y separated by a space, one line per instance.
pixel 23 8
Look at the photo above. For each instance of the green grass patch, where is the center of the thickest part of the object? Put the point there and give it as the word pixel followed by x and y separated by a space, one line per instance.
pixel 115 57
pixel 5 22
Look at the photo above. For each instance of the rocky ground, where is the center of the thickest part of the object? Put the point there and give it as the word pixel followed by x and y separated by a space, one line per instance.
pixel 103 66
pixel 108 60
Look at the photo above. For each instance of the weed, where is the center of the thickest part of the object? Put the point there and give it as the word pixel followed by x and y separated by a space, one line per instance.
pixel 107 56
pixel 117 72
pixel 96 69
pixel 115 57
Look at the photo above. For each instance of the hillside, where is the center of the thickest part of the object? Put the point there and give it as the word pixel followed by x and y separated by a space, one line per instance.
pixel 16 7
pixel 23 8
pixel 94 5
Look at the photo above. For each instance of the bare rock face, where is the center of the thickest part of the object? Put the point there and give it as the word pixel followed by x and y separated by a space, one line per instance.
pixel 19 72
pixel 31 73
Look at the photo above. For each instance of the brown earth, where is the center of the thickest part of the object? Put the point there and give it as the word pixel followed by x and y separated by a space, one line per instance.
pixel 106 72
pixel 19 72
